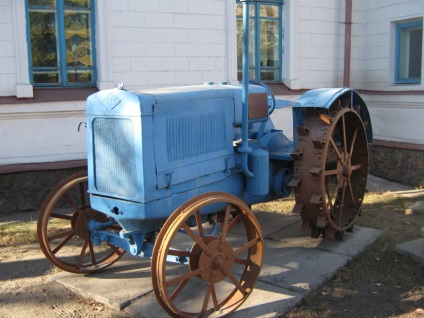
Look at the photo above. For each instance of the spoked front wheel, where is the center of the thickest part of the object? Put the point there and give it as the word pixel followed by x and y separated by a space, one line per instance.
pixel 207 265
pixel 63 232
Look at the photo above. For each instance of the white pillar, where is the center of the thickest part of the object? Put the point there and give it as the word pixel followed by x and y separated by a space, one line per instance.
pixel 103 56
pixel 291 45
pixel 24 87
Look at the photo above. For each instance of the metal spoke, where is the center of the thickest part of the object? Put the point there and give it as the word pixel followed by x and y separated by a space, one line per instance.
pixel 247 246
pixel 175 252
pixel 92 254
pixel 331 197
pixel 82 194
pixel 72 203
pixel 199 223
pixel 225 225
pixel 234 222
pixel 331 172
pixel 237 283
pixel 194 237
pixel 356 167
pixel 351 193
pixel 214 298
pixel 353 141
pixel 115 249
pixel 63 243
pixel 62 234
pixel 336 149
pixel 341 206
pixel 182 278
pixel 178 289
pixel 344 133
pixel 206 300
pixel 81 256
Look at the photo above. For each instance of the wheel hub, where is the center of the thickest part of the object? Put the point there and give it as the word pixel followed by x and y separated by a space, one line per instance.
pixel 80 221
pixel 216 261
pixel 344 170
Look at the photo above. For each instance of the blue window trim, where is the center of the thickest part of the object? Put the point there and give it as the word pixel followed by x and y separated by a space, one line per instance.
pixel 399 28
pixel 257 68
pixel 60 10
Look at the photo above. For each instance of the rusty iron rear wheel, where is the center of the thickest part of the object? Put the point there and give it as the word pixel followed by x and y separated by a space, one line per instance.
pixel 331 168
pixel 207 268
pixel 63 233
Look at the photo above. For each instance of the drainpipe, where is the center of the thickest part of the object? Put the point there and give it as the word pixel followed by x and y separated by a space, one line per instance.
pixel 348 44
pixel 245 149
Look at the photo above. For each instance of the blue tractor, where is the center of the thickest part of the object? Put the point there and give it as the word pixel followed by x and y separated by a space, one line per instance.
pixel 173 172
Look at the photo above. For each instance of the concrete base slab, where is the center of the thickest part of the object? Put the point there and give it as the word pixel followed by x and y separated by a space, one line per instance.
pixel 265 301
pixel 294 264
pixel 117 286
pixel 414 248
pixel 352 244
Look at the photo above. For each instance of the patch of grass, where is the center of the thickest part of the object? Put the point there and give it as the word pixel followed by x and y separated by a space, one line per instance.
pixel 386 212
pixel 282 206
pixel 17 233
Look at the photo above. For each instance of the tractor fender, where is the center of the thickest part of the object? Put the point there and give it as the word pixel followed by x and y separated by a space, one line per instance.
pixel 325 97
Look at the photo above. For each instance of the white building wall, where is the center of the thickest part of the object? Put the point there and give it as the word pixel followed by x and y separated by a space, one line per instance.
pixel 47 132
pixel 321 43
pixel 166 42
pixel 379 19
pixel 399 117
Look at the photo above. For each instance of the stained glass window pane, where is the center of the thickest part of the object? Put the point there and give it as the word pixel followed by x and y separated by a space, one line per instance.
pixel 269 44
pixel 44 3
pixel 78 42
pixel 78 76
pixel 77 3
pixel 43 39
pixel 44 77
pixel 269 11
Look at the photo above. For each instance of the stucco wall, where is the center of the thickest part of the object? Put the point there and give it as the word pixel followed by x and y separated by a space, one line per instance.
pixel 166 42
pixel 45 133
pixel 321 39
pixel 397 118
pixel 379 19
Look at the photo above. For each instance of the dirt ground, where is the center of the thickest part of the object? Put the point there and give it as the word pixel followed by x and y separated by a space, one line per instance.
pixel 26 290
pixel 378 283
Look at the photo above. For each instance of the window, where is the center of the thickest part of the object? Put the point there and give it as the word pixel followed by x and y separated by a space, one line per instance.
pixel 265 40
pixel 409 44
pixel 61 43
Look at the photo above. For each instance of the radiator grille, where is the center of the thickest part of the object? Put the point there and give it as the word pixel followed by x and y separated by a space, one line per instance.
pixel 114 156
pixel 195 135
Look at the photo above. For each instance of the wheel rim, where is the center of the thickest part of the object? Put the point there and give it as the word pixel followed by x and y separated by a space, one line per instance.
pixel 331 168
pixel 221 270
pixel 63 232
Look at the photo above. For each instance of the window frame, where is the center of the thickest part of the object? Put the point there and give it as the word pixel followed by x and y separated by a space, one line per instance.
pixel 399 28
pixel 256 19
pixel 61 48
